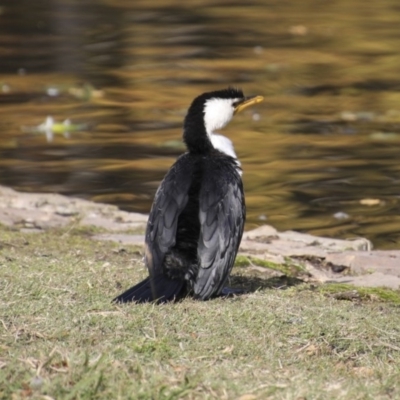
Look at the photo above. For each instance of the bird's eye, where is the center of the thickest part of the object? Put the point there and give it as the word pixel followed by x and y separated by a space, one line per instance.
pixel 236 103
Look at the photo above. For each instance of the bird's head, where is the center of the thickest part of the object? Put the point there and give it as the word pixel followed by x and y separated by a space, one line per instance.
pixel 212 111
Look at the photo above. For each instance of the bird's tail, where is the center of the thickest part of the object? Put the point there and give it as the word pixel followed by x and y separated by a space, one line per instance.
pixel 159 289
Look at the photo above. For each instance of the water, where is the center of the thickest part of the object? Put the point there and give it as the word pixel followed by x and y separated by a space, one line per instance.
pixel 320 155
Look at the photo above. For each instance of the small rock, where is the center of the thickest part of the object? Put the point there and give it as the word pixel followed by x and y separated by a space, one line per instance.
pixel 36 383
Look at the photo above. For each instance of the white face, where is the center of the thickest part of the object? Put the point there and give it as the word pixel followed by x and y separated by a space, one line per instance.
pixel 217 113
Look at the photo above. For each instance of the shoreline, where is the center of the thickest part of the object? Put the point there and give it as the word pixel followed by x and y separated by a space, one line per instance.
pixel 263 249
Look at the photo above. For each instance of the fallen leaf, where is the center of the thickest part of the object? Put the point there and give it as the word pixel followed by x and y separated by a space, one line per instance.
pixel 370 202
pixel 247 397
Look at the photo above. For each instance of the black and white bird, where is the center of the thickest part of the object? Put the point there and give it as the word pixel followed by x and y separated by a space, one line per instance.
pixel 197 218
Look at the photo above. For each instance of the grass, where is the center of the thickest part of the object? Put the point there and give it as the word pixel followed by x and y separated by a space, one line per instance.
pixel 61 338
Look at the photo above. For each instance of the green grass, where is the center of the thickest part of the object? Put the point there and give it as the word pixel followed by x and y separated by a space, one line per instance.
pixel 289 267
pixel 61 338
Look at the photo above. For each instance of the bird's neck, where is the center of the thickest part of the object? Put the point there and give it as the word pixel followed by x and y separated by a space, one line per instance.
pixel 200 139
pixel 223 144
pixel 195 136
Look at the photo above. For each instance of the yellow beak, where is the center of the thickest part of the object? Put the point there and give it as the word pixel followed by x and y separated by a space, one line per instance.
pixel 249 101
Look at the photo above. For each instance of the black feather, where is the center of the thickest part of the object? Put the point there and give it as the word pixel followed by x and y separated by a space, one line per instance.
pixel 160 289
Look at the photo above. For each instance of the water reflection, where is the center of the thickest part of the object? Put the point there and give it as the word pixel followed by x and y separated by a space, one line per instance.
pixel 320 154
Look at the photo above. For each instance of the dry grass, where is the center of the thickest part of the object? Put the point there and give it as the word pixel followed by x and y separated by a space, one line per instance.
pixel 61 338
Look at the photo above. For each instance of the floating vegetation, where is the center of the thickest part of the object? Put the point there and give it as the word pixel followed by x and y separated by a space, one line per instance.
pixel 383 136
pixel 173 144
pixel 49 127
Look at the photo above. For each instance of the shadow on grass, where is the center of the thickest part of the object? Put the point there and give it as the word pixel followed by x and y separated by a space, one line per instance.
pixel 250 284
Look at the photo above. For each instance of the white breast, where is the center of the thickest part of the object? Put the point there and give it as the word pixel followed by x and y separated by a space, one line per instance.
pixel 225 145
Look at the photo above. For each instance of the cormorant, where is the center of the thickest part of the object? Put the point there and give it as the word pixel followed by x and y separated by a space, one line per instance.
pixel 196 221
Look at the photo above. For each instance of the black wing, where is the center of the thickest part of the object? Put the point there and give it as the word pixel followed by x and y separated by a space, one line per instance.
pixel 170 199
pixel 222 216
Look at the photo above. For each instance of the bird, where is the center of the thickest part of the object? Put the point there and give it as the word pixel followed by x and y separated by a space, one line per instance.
pixel 197 218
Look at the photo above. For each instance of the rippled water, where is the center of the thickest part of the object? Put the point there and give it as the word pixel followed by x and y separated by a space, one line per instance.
pixel 320 155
